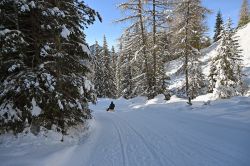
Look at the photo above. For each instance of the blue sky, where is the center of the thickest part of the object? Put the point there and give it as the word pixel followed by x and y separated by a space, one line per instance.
pixel 109 13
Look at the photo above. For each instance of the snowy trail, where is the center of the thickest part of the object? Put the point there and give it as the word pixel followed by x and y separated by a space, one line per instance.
pixel 152 135
pixel 175 139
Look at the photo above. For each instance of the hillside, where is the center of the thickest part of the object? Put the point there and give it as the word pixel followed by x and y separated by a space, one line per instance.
pixel 177 79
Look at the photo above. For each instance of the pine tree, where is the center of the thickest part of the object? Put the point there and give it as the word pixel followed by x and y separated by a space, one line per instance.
pixel 218 26
pixel 228 65
pixel 47 64
pixel 244 14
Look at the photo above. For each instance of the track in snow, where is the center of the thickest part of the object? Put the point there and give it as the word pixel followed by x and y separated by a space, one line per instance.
pixel 154 137
pixel 164 138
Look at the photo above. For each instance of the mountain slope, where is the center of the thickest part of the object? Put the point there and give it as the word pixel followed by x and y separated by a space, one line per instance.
pixel 243 35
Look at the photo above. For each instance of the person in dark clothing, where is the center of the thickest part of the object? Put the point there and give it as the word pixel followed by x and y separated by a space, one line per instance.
pixel 111 107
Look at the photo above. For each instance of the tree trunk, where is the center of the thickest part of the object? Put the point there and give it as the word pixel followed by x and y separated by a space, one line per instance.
pixel 144 42
pixel 154 45
pixel 186 52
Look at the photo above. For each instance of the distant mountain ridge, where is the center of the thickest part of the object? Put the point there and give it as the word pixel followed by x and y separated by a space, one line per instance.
pixel 93 47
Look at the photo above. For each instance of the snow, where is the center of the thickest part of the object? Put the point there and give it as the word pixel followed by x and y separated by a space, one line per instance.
pixel 87 84
pixel 60 104
pixel 65 32
pixel 49 81
pixel 244 40
pixel 81 91
pixel 141 132
pixel 85 48
pixel 56 12
pixel 7 110
pixel 3 32
pixel 36 110
pixel 25 7
pixel 14 67
pixel 32 4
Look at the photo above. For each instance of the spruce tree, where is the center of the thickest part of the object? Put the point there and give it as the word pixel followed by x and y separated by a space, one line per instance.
pixel 47 64
pixel 98 78
pixel 244 14
pixel 211 77
pixel 132 77
pixel 118 73
pixel 114 61
pixel 228 65
pixel 197 79
pixel 109 89
pixel 218 26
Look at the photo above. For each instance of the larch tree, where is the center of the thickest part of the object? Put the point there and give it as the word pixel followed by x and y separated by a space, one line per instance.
pixel 137 17
pixel 158 17
pixel 189 29
pixel 244 14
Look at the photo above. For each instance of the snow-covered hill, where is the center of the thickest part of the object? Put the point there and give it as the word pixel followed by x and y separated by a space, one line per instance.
pixel 243 35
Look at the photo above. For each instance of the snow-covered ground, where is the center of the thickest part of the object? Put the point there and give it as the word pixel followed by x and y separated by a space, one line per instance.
pixel 141 132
